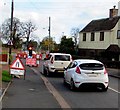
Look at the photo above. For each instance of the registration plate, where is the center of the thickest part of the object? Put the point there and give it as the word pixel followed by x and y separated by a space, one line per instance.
pixel 60 71
pixel 92 75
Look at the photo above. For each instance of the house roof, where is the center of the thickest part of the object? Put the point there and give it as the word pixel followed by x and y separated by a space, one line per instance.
pixel 113 48
pixel 101 24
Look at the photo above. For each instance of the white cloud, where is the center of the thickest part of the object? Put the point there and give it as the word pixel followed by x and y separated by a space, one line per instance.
pixel 64 14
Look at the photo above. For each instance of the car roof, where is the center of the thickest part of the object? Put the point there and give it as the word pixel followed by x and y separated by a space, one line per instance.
pixel 59 54
pixel 81 61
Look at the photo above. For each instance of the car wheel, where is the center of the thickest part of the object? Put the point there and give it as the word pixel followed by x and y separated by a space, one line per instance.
pixel 72 85
pixel 64 82
pixel 44 71
pixel 47 73
pixel 105 89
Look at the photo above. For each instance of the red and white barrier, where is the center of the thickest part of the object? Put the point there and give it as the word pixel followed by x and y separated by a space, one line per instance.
pixel 31 62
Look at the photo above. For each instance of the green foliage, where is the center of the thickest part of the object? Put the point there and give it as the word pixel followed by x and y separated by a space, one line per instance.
pixel 6 77
pixel 17 43
pixel 33 44
pixel 46 42
pixel 67 45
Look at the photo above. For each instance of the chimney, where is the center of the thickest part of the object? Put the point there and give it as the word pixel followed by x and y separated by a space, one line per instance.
pixel 113 12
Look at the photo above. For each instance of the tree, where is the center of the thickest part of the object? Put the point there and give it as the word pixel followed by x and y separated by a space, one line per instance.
pixel 74 33
pixel 20 30
pixel 28 28
pixel 33 44
pixel 45 43
pixel 16 30
pixel 66 45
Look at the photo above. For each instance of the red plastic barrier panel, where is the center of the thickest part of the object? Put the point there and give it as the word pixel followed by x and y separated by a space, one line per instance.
pixel 24 55
pixel 37 56
pixel 31 61
pixel 40 56
pixel 18 55
pixel 34 55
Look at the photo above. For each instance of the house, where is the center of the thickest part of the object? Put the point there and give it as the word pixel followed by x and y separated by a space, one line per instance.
pixel 101 38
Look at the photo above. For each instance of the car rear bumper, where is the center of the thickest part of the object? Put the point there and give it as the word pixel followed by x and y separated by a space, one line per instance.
pixel 100 80
pixel 91 84
pixel 94 82
pixel 58 70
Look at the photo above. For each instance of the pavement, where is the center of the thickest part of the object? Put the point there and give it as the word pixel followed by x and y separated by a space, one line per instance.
pixel 28 93
pixel 113 72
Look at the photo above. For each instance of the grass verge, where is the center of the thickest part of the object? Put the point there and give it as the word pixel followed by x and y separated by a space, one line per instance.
pixel 6 77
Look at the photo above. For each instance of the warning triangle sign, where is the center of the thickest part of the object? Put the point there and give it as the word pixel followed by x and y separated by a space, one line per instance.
pixel 17 64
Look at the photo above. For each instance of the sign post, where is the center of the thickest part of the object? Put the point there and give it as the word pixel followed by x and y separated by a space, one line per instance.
pixel 17 68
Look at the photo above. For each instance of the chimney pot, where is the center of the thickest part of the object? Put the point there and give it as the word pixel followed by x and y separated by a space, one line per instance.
pixel 113 12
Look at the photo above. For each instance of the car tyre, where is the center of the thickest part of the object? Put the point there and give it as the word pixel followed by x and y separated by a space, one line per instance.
pixel 44 71
pixel 72 85
pixel 47 73
pixel 64 82
pixel 105 89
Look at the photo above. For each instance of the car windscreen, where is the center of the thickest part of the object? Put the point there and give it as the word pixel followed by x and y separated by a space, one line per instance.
pixel 62 58
pixel 91 66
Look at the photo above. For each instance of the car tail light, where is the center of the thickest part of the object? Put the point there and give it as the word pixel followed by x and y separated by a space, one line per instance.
pixel 52 60
pixel 105 71
pixel 78 70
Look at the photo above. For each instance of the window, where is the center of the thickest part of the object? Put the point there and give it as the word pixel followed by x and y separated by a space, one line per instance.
pixel 62 58
pixel 92 36
pixel 72 65
pixel 101 36
pixel 93 66
pixel 118 34
pixel 84 36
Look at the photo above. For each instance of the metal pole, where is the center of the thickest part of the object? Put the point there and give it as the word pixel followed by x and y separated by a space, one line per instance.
pixel 10 50
pixel 49 33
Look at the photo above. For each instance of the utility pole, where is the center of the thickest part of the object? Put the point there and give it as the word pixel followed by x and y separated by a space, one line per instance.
pixel 11 31
pixel 49 33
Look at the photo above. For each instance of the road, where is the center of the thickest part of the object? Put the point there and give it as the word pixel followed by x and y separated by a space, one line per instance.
pixel 88 99
pixel 35 92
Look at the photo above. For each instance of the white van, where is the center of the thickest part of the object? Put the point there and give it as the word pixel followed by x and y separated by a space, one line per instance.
pixel 56 63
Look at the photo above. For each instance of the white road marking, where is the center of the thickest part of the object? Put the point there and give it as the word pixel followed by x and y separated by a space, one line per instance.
pixel 114 90
pixel 5 91
pixel 55 93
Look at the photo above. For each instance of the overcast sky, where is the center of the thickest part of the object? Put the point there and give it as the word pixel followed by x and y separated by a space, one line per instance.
pixel 65 15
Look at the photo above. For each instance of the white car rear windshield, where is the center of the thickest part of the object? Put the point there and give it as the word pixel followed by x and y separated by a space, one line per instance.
pixel 91 66
pixel 62 58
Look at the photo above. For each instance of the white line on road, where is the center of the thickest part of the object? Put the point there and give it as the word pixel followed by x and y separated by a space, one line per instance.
pixel 114 90
pixel 5 91
pixel 55 93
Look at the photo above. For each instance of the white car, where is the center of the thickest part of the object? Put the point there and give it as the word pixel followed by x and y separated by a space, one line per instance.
pixel 56 63
pixel 86 72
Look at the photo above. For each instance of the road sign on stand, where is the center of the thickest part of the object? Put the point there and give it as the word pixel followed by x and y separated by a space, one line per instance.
pixel 17 68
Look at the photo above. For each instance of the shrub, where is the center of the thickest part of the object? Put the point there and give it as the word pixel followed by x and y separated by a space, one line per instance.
pixel 6 77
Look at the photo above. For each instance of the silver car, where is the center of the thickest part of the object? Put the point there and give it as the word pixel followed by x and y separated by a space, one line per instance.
pixel 86 72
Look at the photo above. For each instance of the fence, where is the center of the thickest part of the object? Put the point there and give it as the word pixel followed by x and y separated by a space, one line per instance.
pixel 4 58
